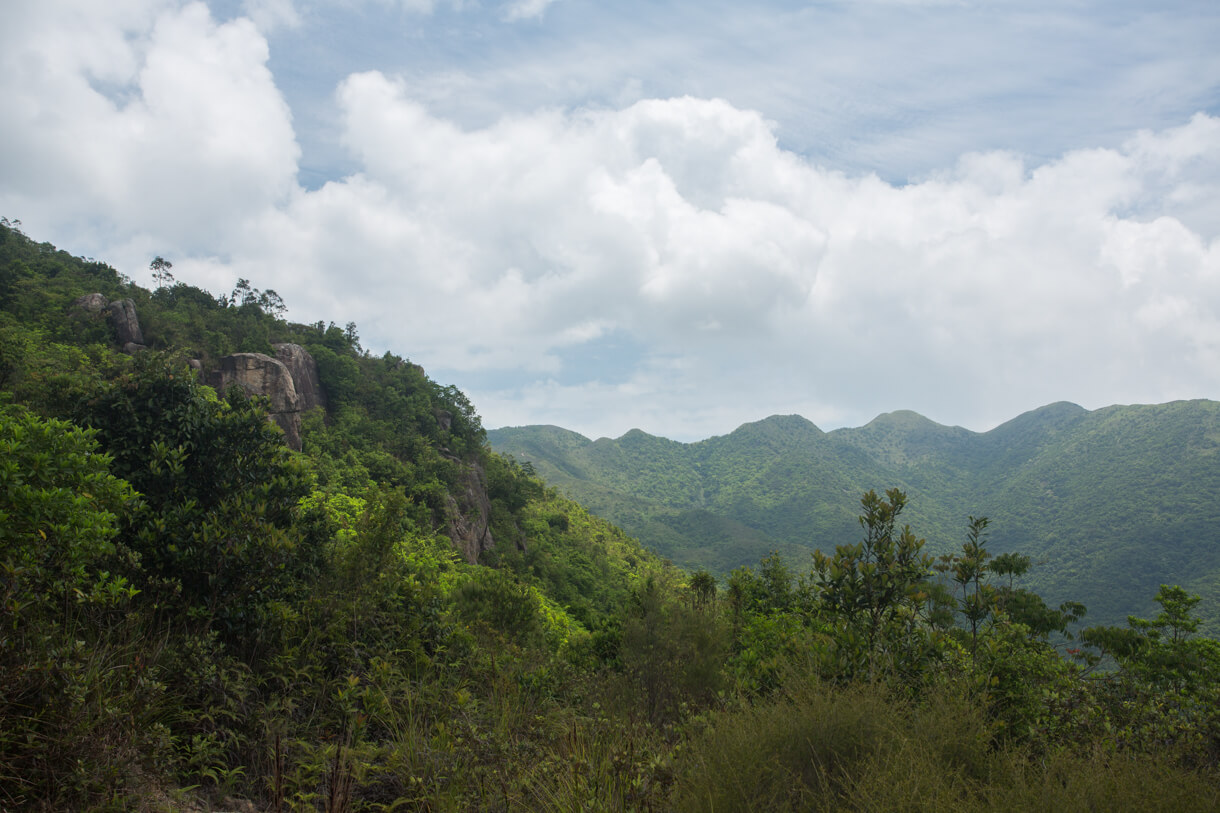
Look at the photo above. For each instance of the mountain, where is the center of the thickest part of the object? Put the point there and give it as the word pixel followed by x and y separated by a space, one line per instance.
pixel 1110 503
pixel 245 564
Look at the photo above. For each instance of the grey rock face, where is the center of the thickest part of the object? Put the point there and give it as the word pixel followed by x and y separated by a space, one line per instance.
pixel 304 372
pixel 93 303
pixel 126 325
pixel 260 374
pixel 470 515
pixel 122 316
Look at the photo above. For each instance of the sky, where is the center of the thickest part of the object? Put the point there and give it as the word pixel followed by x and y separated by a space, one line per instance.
pixel 665 215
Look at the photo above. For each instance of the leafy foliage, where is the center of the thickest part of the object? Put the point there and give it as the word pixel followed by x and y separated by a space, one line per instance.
pixel 219 492
pixel 191 612
pixel 74 682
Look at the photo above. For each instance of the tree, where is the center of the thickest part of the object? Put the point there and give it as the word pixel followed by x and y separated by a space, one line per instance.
pixel 66 725
pixel 1012 565
pixel 871 583
pixel 703 588
pixel 977 600
pixel 672 654
pixel 59 507
pixel 219 490
pixel 272 304
pixel 1174 623
pixel 161 275
pixel 969 570
pixel 1025 606
pixel 1165 692
pixel 1158 649
pixel 776 581
pixel 243 294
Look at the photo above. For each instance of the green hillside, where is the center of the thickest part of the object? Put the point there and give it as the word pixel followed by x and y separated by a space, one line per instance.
pixel 1110 503
pixel 220 592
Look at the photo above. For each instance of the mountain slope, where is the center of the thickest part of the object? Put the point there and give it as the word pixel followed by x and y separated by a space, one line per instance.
pixel 1110 503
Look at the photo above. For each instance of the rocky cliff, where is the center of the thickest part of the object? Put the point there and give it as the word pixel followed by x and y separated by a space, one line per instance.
pixel 304 372
pixel 259 374
pixel 469 525
pixel 291 383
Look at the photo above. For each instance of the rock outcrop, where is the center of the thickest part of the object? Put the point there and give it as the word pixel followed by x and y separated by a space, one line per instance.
pixel 469 525
pixel 91 303
pixel 126 325
pixel 304 375
pixel 122 316
pixel 259 374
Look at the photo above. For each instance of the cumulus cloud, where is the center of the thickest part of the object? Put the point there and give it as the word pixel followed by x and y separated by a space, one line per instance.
pixel 666 264
pixel 988 287
pixel 142 120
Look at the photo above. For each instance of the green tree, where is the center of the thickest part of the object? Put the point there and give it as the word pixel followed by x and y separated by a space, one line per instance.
pixel 272 304
pixel 1175 622
pixel 1166 693
pixel 969 572
pixel 872 584
pixel 672 654
pixel 1012 565
pixel 702 586
pixel 161 275
pixel 1162 649
pixel 72 688
pixel 59 506
pixel 219 489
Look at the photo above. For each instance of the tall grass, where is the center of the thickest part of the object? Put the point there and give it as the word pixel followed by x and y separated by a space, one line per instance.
pixel 820 748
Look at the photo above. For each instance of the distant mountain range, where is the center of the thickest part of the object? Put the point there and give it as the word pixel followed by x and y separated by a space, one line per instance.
pixel 1109 503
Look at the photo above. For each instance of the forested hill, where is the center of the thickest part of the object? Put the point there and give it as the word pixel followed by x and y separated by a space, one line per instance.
pixel 247 565
pixel 178 576
pixel 1111 503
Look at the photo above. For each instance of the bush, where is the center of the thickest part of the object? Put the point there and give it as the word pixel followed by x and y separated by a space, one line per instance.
pixel 79 703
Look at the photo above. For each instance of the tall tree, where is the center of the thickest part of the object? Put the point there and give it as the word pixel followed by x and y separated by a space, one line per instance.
pixel 160 268
pixel 869 584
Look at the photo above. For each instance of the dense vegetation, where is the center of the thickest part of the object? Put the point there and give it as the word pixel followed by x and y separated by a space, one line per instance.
pixel 1110 503
pixel 192 615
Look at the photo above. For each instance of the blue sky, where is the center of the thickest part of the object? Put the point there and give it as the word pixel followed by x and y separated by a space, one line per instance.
pixel 675 216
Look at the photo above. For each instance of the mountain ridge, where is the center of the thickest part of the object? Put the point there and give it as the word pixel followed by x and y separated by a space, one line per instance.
pixel 1120 498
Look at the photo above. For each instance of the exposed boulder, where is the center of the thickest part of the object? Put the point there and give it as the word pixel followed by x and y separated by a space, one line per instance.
pixel 470 514
pixel 304 372
pixel 91 303
pixel 259 374
pixel 88 316
pixel 126 325
pixel 121 314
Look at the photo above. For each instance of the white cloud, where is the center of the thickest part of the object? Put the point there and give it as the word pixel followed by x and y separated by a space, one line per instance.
pixel 270 15
pixel 666 264
pixel 753 277
pixel 526 9
pixel 168 130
